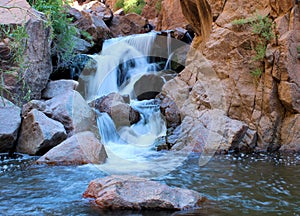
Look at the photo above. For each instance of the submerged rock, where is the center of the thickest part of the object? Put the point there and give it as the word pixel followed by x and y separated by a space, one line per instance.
pixel 39 133
pixel 81 148
pixel 10 120
pixel 130 192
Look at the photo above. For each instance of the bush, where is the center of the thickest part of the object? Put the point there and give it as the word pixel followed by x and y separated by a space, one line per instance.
pixel 130 6
pixel 263 28
pixel 63 31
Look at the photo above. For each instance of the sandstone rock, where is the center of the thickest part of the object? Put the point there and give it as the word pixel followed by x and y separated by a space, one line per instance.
pixel 120 112
pixel 151 9
pixel 10 120
pixel 99 9
pixel 72 111
pixel 34 104
pixel 290 133
pixel 39 134
pixel 127 25
pixel 81 148
pixel 148 86
pixel 289 94
pixel 129 192
pixel 55 88
pixel 171 16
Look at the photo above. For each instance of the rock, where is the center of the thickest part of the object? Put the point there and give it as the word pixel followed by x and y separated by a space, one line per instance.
pixel 81 148
pixel 290 133
pixel 37 53
pixel 72 111
pixel 152 9
pixel 120 112
pixel 170 111
pixel 81 46
pixel 99 9
pixel 94 25
pixel 148 86
pixel 171 16
pixel 130 192
pixel 289 94
pixel 34 104
pixel 127 25
pixel 55 88
pixel 214 132
pixel 39 134
pixel 10 120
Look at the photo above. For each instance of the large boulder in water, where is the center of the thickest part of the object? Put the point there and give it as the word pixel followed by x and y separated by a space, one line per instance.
pixel 82 148
pixel 10 120
pixel 148 86
pixel 114 105
pixel 130 192
pixel 39 133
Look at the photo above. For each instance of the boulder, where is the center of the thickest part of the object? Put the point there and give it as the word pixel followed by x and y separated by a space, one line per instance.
pixel 99 9
pixel 10 120
pixel 148 86
pixel 55 88
pixel 72 111
pixel 92 24
pixel 127 25
pixel 39 133
pixel 214 132
pixel 37 51
pixel 114 105
pixel 289 94
pixel 130 192
pixel 81 148
pixel 170 111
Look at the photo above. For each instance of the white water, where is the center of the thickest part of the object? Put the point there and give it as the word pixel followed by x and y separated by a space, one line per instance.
pixel 131 149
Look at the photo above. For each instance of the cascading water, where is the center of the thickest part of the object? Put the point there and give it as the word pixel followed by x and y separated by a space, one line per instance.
pixel 130 148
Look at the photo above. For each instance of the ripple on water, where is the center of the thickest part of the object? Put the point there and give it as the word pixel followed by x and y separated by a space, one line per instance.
pixel 258 184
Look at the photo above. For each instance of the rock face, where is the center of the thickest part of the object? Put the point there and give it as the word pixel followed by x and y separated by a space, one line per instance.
pixel 120 112
pixel 218 72
pixel 37 52
pixel 10 120
pixel 82 148
pixel 39 134
pixel 171 15
pixel 129 192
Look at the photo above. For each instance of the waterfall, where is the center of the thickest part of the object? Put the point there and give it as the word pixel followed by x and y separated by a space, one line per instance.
pixel 131 52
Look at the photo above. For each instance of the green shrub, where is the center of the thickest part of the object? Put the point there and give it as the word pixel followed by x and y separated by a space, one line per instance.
pixel 130 6
pixel 263 28
pixel 63 31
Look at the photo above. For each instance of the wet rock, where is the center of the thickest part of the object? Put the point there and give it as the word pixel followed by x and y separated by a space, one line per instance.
pixel 72 111
pixel 171 112
pixel 148 86
pixel 55 88
pixel 81 148
pixel 10 120
pixel 130 192
pixel 115 106
pixel 39 133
